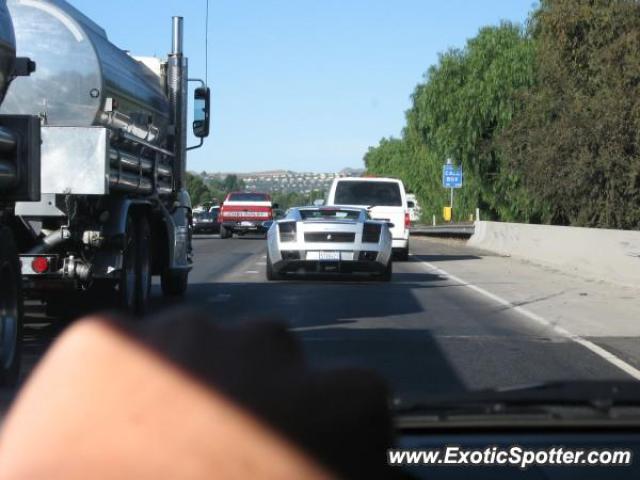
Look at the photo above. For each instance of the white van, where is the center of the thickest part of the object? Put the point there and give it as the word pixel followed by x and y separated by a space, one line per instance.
pixel 385 198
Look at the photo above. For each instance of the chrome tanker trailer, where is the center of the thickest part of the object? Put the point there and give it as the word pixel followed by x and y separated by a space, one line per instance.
pixel 19 181
pixel 113 209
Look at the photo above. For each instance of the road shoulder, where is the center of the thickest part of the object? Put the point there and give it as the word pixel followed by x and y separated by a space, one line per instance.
pixel 601 312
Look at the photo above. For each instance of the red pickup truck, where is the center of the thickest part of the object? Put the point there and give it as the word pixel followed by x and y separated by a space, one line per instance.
pixel 245 212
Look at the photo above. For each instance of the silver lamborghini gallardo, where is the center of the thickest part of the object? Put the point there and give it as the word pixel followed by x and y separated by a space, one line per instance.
pixel 329 240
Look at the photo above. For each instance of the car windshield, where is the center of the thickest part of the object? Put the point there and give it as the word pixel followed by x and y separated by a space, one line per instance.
pixel 376 193
pixel 329 214
pixel 248 197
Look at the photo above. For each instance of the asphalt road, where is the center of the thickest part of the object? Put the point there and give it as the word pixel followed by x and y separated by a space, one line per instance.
pixel 424 332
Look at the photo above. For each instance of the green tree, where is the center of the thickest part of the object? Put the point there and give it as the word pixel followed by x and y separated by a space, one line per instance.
pixel 286 200
pixel 466 100
pixel 390 157
pixel 576 137
pixel 232 183
pixel 197 189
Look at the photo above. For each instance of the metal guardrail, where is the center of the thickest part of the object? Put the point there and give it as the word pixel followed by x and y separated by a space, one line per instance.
pixel 463 230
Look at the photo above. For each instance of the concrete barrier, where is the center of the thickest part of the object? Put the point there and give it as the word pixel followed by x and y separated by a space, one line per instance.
pixel 455 230
pixel 601 254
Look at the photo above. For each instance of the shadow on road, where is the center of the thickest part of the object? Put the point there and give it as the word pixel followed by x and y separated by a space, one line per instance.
pixel 415 277
pixel 309 300
pixel 445 258
pixel 364 325
pixel 410 360
pixel 356 323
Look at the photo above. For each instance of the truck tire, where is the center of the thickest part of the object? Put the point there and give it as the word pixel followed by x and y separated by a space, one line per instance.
pixel 143 265
pixel 174 284
pixel 127 283
pixel 225 232
pixel 10 310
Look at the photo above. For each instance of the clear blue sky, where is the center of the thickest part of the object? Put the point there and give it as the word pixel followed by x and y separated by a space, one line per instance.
pixel 302 84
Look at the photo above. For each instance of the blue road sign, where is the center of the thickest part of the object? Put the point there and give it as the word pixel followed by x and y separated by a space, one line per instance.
pixel 451 176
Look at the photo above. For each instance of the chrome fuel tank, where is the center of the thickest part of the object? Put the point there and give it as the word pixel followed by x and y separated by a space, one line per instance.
pixel 82 79
pixel 7 48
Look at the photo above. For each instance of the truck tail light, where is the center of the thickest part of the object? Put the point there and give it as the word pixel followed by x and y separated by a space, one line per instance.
pixel 40 264
pixel 407 220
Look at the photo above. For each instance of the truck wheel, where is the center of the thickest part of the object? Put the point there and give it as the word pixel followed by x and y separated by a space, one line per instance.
pixel 225 232
pixel 143 265
pixel 127 282
pixel 174 283
pixel 10 310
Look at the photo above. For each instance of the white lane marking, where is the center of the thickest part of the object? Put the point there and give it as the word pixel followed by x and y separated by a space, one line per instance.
pixel 261 264
pixel 251 272
pixel 601 352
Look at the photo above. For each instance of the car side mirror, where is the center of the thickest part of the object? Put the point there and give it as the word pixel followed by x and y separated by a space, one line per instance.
pixel 201 111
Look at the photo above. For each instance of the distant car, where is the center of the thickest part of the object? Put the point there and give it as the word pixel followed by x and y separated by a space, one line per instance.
pixel 329 240
pixel 246 212
pixel 206 222
pixel 384 198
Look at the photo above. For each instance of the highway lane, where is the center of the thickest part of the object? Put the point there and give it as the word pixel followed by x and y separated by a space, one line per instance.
pixel 423 332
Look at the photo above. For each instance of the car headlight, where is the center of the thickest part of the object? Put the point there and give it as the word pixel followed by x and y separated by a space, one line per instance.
pixel 287 231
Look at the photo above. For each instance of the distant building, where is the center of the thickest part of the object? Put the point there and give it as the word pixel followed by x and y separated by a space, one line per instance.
pixel 287 181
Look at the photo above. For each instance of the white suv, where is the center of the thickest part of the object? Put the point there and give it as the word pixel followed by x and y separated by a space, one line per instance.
pixel 385 198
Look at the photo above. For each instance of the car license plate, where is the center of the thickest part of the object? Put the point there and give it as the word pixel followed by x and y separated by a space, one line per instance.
pixel 247 224
pixel 329 256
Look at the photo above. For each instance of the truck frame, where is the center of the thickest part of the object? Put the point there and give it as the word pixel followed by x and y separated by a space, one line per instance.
pixel 93 197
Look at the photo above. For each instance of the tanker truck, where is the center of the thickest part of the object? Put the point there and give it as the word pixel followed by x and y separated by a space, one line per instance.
pixel 111 210
pixel 19 181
